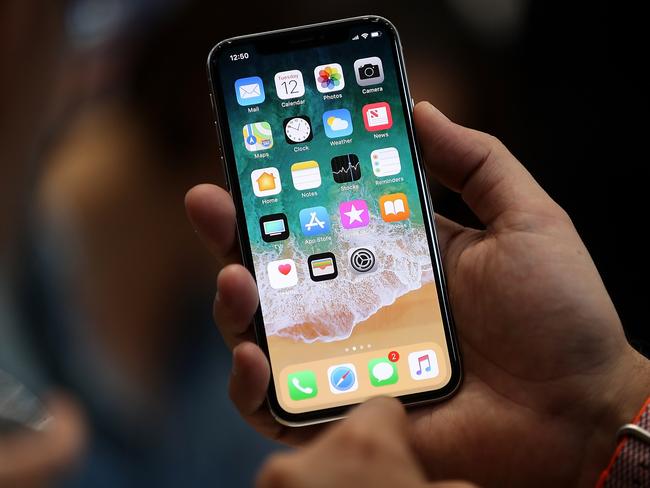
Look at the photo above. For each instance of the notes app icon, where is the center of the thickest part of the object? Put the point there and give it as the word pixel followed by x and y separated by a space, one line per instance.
pixel 394 207
pixel 423 365
pixel 305 175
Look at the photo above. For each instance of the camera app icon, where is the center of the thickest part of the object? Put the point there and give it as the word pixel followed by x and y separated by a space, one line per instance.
pixel 369 71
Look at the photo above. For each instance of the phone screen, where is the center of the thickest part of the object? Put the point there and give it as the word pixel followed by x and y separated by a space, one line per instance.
pixel 335 225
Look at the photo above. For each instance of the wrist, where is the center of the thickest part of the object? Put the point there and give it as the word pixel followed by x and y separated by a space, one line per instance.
pixel 621 396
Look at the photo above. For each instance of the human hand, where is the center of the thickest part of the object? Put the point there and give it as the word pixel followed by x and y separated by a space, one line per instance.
pixel 355 454
pixel 549 375
pixel 35 459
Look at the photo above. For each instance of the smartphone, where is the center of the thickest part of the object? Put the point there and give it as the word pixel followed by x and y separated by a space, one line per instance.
pixel 334 217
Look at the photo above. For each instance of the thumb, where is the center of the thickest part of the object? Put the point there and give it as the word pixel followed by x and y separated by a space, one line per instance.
pixel 490 179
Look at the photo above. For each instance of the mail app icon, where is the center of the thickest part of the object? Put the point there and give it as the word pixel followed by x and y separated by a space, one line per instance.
pixel 249 91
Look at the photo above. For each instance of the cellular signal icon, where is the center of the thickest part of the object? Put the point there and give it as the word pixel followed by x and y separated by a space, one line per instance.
pixel 364 35
pixel 356 38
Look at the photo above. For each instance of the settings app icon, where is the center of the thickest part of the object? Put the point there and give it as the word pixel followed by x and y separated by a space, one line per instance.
pixel 362 259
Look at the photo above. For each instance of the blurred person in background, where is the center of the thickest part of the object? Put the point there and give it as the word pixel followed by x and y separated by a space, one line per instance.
pixel 31 41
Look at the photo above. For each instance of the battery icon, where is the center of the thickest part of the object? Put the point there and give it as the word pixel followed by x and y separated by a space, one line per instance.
pixel 375 34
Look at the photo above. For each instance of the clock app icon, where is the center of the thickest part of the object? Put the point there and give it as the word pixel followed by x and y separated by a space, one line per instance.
pixel 298 129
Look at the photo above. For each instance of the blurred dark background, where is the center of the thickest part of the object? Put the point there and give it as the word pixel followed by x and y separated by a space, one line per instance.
pixel 116 290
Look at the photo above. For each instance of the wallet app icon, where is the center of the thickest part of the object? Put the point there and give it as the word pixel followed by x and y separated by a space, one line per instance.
pixel 249 91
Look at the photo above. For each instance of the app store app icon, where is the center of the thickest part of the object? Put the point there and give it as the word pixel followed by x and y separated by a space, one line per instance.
pixel 314 221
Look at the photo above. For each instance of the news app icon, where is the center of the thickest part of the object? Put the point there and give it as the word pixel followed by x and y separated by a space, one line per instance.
pixel 377 116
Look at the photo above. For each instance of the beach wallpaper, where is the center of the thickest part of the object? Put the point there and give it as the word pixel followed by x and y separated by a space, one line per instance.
pixel 333 212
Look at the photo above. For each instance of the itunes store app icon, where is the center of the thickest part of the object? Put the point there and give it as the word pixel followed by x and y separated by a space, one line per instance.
pixel 282 274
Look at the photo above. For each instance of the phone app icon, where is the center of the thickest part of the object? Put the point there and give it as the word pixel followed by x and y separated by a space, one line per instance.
pixel 289 84
pixel 377 116
pixel 382 372
pixel 298 129
pixel 282 274
pixel 258 136
pixel 343 378
pixel 329 77
pixel 369 71
pixel 302 385
pixel 322 266
pixel 354 214
pixel 385 162
pixel 249 91
pixel 362 260
pixel 423 365
pixel 346 168
pixel 305 175
pixel 314 221
pixel 394 207
pixel 274 227
pixel 337 123
pixel 266 182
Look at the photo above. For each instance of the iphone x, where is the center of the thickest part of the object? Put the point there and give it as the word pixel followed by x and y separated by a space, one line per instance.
pixel 334 218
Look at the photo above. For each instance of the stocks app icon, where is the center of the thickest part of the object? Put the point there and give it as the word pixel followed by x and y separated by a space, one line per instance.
pixel 346 168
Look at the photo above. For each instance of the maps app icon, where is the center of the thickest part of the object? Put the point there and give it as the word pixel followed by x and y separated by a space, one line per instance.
pixel 258 136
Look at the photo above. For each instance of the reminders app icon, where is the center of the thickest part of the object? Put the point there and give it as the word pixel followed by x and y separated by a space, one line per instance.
pixel 249 91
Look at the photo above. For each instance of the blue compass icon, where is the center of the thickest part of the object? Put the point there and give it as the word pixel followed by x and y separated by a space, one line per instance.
pixel 343 378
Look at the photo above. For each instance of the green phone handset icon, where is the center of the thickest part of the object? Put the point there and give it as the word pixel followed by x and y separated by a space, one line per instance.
pixel 302 385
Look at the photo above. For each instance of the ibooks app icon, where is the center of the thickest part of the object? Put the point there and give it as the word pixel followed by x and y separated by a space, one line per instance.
pixel 394 207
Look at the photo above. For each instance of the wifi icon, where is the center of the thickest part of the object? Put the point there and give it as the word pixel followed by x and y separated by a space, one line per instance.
pixel 364 35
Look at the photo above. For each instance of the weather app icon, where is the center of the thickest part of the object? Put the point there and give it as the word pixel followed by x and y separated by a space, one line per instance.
pixel 337 123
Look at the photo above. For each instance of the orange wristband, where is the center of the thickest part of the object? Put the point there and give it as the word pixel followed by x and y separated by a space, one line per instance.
pixel 630 464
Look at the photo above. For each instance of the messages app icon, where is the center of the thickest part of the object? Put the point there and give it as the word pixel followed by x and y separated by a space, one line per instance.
pixel 249 91
pixel 382 372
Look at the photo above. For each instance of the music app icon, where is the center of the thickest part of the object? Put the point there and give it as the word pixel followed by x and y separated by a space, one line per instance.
pixel 423 365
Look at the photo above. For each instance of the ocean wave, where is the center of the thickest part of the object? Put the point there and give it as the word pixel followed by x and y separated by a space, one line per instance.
pixel 328 311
